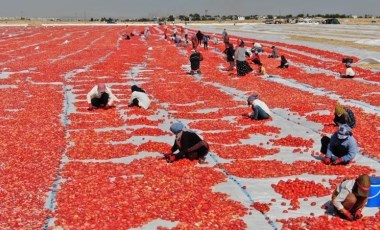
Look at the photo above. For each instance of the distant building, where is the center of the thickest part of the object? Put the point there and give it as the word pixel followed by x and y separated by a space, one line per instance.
pixel 241 18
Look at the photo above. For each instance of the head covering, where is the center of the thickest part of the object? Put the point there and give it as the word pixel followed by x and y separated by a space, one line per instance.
pixel 253 97
pixel 101 87
pixel 193 51
pixel 136 88
pixel 364 183
pixel 241 43
pixel 339 110
pixel 344 131
pixel 273 47
pixel 348 64
pixel 177 127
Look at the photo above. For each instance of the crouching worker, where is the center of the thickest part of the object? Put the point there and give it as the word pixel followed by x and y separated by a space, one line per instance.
pixel 100 97
pixel 344 115
pixel 341 145
pixel 260 109
pixel 195 61
pixel 188 144
pixel 139 98
pixel 351 196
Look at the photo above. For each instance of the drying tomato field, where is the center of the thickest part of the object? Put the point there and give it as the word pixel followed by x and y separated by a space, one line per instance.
pixel 64 167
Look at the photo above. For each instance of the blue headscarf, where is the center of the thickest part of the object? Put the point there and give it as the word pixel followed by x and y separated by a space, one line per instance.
pixel 177 127
pixel 344 131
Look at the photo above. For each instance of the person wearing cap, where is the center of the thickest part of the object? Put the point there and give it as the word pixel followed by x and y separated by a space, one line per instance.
pixel 195 61
pixel 242 65
pixel 188 144
pixel 351 196
pixel 274 53
pixel 260 109
pixel 350 73
pixel 139 98
pixel 342 146
pixel 100 96
pixel 344 115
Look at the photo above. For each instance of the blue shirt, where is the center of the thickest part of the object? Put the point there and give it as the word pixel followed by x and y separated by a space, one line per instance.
pixel 349 144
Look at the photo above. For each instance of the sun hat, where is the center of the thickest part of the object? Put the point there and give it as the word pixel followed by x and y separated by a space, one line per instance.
pixel 344 131
pixel 176 127
pixel 364 183
pixel 339 110
pixel 101 87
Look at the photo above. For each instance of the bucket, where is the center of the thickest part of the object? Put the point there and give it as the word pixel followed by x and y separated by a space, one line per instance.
pixel 374 192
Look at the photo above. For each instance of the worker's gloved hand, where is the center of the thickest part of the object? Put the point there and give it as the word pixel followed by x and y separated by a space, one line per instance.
pixel 347 214
pixel 327 160
pixel 358 214
pixel 90 107
pixel 338 161
pixel 169 157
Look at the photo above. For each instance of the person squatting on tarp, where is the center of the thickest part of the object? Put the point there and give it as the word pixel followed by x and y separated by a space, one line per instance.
pixel 274 53
pixel 284 63
pixel 350 73
pixel 188 144
pixel 256 58
pixel 195 61
pixel 100 96
pixel 139 98
pixel 351 196
pixel 342 146
pixel 344 115
pixel 260 110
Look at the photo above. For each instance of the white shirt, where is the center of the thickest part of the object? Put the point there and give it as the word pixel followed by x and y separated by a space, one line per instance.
pixel 94 93
pixel 262 105
pixel 240 54
pixel 343 190
pixel 257 45
pixel 143 99
pixel 350 72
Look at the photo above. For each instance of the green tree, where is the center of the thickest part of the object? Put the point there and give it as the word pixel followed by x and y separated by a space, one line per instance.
pixel 171 18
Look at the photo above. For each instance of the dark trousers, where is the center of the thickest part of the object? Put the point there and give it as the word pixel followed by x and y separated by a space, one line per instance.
pixel 338 151
pixel 100 102
pixel 135 102
pixel 259 113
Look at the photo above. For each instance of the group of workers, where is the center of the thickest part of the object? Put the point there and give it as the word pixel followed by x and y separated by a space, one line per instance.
pixel 350 196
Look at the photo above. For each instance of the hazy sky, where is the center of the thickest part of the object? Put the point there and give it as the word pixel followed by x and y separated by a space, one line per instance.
pixel 151 8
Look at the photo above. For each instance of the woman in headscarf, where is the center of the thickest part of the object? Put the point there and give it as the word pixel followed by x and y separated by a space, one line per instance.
pixel 343 115
pixel 188 144
pixel 242 65
pixel 100 96
pixel 284 63
pixel 351 196
pixel 139 98
pixel 260 110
